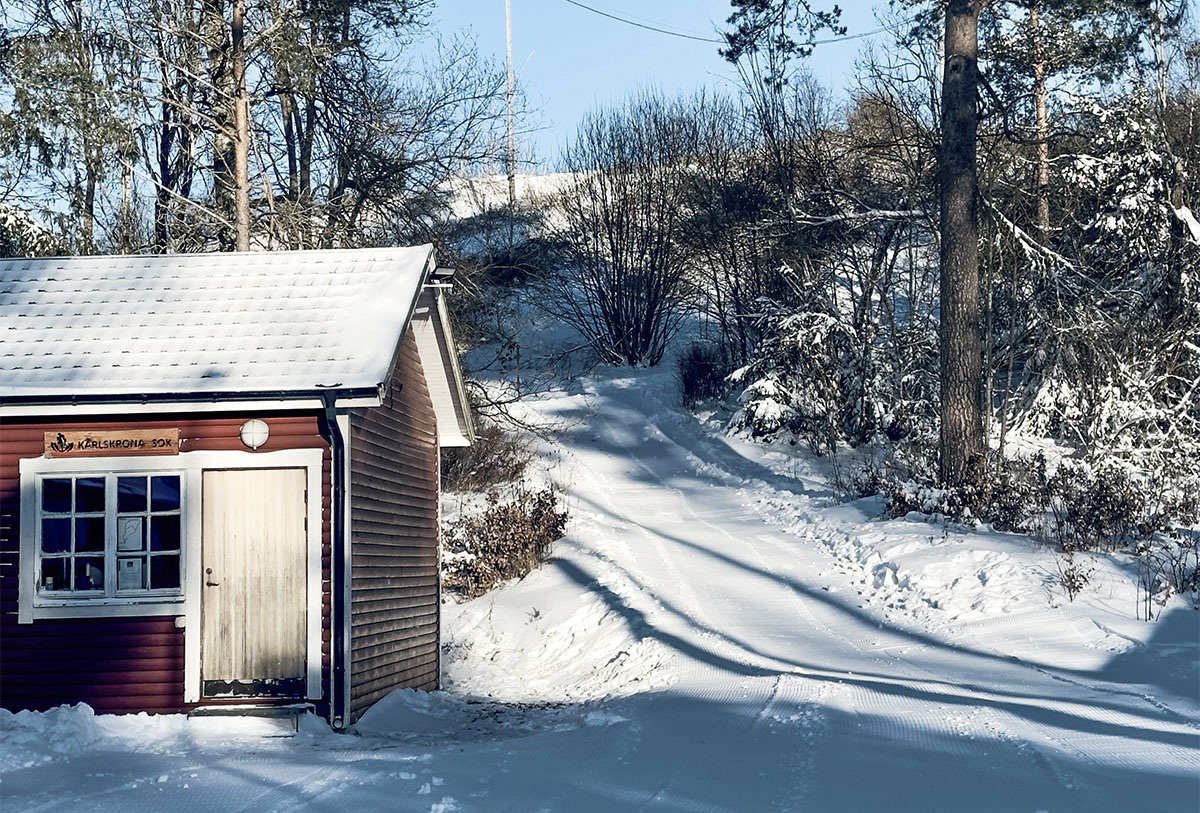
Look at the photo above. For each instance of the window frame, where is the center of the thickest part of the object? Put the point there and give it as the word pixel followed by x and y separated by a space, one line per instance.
pixel 36 604
pixel 111 551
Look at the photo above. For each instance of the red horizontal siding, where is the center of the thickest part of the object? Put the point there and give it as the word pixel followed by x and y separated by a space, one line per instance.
pixel 119 664
pixel 394 513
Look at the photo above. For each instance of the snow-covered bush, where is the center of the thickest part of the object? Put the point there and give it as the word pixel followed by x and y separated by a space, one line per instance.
pixel 795 385
pixel 623 286
pixel 1112 361
pixel 1096 509
pixel 22 236
pixel 508 539
pixel 816 377
pixel 495 525
pixel 1074 508
pixel 1169 564
pixel 1073 576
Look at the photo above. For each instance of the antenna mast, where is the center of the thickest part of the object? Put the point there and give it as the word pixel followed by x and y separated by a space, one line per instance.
pixel 512 139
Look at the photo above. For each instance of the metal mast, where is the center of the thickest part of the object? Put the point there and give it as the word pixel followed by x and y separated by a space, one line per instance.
pixel 512 139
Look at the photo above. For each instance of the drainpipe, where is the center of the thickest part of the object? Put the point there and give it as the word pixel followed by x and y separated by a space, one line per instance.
pixel 339 705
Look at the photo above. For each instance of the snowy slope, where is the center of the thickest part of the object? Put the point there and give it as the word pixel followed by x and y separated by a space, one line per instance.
pixel 711 636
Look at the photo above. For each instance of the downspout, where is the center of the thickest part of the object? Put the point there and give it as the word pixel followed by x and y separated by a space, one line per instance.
pixel 339 706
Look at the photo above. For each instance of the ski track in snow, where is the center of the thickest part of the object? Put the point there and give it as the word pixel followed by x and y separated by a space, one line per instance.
pixel 709 637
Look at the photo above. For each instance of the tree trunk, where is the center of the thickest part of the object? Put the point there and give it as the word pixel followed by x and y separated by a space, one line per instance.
pixel 224 160
pixel 1042 127
pixel 241 126
pixel 961 347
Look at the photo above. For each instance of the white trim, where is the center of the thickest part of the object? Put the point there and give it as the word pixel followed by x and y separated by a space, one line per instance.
pixel 190 466
pixel 466 425
pixel 343 421
pixel 27 569
pixel 439 362
pixel 32 607
pixel 218 404
pixel 315 500
pixel 193 588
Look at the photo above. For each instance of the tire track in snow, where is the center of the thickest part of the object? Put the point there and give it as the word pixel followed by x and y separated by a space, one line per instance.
pixel 707 679
pixel 921 726
pixel 904 707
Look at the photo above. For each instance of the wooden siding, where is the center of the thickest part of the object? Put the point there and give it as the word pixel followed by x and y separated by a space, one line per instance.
pixel 394 522
pixel 126 664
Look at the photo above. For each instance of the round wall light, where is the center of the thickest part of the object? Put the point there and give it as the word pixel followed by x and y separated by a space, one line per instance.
pixel 255 433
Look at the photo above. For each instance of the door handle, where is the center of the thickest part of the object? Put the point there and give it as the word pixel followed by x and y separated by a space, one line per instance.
pixel 208 582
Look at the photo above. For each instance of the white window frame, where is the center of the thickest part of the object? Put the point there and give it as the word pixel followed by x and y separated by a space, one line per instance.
pixel 33 604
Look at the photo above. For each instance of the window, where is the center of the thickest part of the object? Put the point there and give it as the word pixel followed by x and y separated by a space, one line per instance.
pixel 109 535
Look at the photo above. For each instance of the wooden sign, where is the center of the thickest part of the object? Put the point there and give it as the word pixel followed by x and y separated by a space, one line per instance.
pixel 120 442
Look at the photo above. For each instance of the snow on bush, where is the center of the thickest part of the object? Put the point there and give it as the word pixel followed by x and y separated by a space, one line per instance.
pixel 510 537
pixel 1114 366
pixel 22 236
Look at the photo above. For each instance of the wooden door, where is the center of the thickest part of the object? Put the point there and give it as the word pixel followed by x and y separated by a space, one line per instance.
pixel 254 581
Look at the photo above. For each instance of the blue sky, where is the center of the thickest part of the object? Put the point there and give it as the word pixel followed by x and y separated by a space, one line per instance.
pixel 570 60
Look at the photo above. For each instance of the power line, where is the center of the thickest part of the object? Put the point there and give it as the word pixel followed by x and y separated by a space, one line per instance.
pixel 831 40
pixel 848 37
pixel 643 25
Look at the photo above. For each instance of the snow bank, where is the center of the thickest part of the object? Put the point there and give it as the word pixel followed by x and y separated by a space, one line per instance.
pixel 548 642
pixel 28 738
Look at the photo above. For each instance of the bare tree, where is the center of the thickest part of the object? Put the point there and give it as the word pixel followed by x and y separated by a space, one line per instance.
pixel 623 212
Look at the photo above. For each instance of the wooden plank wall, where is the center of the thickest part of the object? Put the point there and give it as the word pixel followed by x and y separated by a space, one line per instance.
pixel 118 664
pixel 394 521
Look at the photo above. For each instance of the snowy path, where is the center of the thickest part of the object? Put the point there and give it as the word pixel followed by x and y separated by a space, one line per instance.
pixel 702 642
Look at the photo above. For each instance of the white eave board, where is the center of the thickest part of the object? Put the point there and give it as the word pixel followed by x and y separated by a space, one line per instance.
pixel 439 360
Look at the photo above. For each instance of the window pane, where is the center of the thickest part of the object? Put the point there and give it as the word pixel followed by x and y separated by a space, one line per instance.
pixel 164 493
pixel 164 572
pixel 89 573
pixel 131 533
pixel 131 573
pixel 56 496
pixel 164 532
pixel 56 536
pixel 89 534
pixel 131 495
pixel 89 495
pixel 54 574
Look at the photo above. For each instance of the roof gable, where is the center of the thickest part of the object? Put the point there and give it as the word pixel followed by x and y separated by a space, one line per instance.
pixel 439 359
pixel 210 324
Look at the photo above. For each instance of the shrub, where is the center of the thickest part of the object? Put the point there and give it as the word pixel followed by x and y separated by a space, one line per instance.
pixel 1096 509
pixel 702 371
pixel 507 540
pixel 795 383
pixel 855 479
pixel 1072 575
pixel 496 457
pixel 1169 564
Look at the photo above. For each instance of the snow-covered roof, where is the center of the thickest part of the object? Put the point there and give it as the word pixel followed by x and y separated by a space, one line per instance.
pixel 209 324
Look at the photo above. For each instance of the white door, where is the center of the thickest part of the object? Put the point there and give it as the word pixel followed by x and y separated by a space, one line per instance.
pixel 254 583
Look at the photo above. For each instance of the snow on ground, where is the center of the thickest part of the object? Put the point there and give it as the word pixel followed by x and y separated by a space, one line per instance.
pixel 715 633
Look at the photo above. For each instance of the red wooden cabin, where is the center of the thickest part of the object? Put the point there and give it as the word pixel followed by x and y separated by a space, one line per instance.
pixel 219 478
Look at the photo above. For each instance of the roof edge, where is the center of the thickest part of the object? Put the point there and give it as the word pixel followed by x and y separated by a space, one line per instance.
pixel 430 266
pixel 458 383
pixel 145 399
